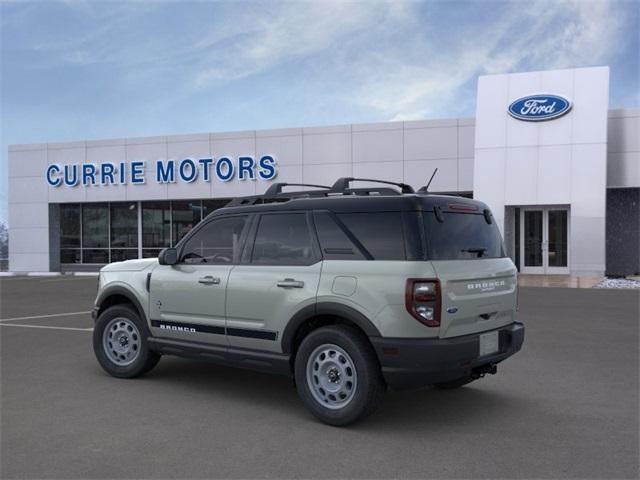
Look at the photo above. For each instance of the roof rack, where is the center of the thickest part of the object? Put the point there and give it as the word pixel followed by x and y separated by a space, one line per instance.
pixel 342 184
pixel 369 191
pixel 341 187
pixel 276 188
pixel 275 194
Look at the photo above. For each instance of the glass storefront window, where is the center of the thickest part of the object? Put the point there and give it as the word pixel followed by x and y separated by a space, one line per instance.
pixel 70 255
pixel 95 255
pixel 70 226
pixel 108 232
pixel 156 225
pixel 185 215
pixel 121 254
pixel 95 226
pixel 211 205
pixel 124 225
pixel 150 252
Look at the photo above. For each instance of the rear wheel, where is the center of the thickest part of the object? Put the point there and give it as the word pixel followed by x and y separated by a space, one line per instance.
pixel 120 343
pixel 337 375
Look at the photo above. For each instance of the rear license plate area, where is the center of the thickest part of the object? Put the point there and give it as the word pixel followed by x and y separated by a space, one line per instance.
pixel 489 343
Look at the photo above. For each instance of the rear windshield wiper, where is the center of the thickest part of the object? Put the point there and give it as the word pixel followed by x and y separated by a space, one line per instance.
pixel 479 251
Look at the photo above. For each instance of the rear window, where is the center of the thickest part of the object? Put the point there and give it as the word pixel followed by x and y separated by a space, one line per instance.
pixel 334 241
pixel 461 236
pixel 380 233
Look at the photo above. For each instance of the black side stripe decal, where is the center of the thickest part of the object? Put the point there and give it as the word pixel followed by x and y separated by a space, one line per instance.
pixel 199 328
pixel 247 333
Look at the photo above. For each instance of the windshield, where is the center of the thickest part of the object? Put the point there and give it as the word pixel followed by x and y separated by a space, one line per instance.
pixel 461 236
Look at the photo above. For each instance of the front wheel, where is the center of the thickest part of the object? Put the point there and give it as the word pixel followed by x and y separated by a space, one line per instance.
pixel 338 376
pixel 120 343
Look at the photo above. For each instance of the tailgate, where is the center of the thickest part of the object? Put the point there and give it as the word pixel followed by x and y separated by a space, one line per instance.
pixel 477 294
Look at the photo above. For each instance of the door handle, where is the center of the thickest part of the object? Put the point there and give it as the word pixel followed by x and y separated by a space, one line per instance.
pixel 290 283
pixel 209 280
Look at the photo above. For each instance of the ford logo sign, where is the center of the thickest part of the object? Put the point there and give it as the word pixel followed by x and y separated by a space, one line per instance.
pixel 536 108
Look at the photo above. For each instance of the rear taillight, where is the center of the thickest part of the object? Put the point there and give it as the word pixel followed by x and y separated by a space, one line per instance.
pixel 422 298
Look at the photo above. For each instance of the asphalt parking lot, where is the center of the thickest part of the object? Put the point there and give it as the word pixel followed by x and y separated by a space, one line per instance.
pixel 565 407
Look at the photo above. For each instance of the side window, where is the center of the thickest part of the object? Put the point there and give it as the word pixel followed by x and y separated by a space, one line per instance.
pixel 334 241
pixel 215 243
pixel 283 239
pixel 379 232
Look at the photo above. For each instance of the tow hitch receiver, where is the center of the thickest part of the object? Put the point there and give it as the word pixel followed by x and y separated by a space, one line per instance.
pixel 488 369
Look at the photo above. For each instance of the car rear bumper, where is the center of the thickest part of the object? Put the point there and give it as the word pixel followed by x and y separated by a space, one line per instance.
pixel 417 362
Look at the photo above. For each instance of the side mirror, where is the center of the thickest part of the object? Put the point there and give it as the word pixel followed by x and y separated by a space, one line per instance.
pixel 168 256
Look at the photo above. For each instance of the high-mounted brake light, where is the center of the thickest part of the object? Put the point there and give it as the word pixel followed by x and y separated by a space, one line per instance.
pixel 462 207
pixel 422 299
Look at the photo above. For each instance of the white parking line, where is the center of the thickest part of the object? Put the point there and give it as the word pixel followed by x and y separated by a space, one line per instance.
pixel 14 319
pixel 90 329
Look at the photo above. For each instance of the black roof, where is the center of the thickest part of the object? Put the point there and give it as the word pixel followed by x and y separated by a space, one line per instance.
pixel 382 203
pixel 341 198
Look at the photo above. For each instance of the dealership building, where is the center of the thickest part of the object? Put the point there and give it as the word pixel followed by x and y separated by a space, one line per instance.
pixel 558 168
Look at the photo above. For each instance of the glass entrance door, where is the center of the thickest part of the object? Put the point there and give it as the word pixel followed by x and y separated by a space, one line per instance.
pixel 533 237
pixel 544 240
pixel 557 241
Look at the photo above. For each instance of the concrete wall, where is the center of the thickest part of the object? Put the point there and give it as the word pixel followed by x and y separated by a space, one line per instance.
pixel 557 162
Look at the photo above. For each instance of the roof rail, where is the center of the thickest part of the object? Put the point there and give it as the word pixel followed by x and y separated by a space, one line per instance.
pixel 370 191
pixel 341 187
pixel 342 184
pixel 275 194
pixel 276 188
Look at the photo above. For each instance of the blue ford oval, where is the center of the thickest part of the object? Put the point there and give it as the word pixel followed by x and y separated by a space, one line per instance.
pixel 536 108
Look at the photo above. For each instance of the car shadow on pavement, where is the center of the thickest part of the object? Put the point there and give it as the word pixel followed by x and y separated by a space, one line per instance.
pixel 415 409
pixel 431 408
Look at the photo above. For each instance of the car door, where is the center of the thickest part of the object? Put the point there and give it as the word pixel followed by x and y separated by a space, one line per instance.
pixel 187 300
pixel 278 276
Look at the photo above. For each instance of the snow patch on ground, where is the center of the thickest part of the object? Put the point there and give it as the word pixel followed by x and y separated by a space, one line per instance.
pixel 618 283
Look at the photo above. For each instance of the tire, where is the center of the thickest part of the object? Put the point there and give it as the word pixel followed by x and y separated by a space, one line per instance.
pixel 460 382
pixel 120 343
pixel 334 357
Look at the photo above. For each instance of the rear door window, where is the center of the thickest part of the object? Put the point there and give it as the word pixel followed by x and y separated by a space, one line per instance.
pixel 461 236
pixel 283 239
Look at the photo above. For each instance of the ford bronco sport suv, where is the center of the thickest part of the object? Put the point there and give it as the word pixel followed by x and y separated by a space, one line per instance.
pixel 348 290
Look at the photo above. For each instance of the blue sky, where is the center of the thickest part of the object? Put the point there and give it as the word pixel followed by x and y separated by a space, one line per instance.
pixel 75 70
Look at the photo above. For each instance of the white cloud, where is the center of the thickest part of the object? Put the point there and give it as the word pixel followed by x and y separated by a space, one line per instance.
pixel 265 39
pixel 390 57
pixel 525 36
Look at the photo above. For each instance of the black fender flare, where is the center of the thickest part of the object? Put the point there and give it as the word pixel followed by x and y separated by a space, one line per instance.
pixel 123 291
pixel 325 308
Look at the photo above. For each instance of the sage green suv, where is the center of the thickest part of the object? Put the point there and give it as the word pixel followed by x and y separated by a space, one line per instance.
pixel 347 290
